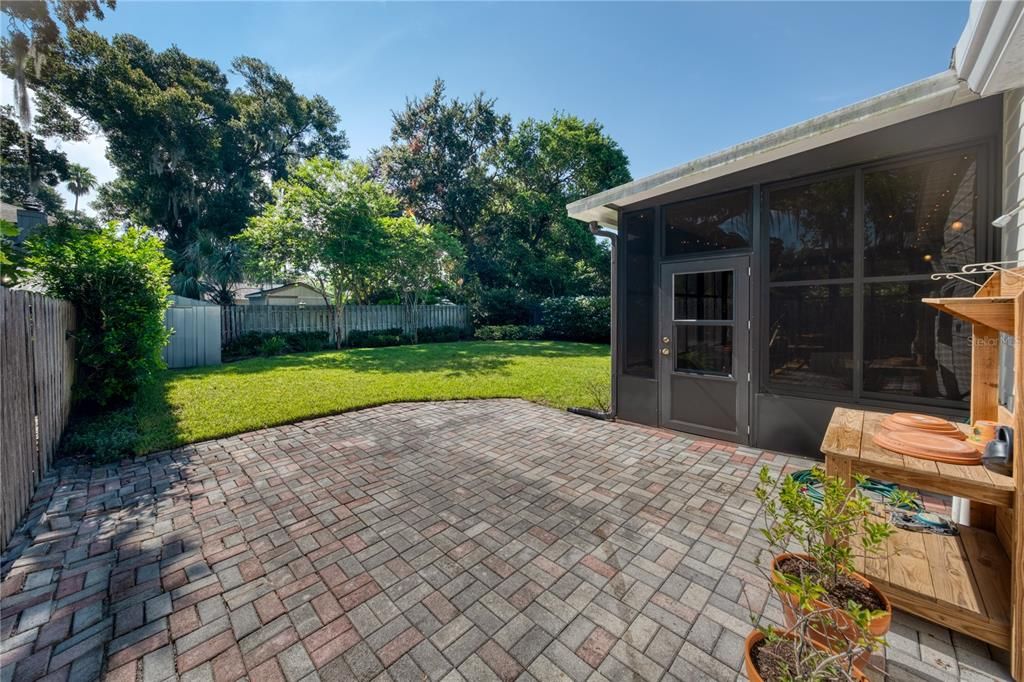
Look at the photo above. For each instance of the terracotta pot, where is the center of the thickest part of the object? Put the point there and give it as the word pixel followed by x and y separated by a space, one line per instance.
pixel 756 636
pixel 844 628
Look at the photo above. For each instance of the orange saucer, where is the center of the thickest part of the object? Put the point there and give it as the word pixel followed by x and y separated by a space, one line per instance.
pixel 934 447
pixel 910 421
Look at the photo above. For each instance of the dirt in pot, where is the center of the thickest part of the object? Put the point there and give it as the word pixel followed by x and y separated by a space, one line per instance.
pixel 845 590
pixel 777 661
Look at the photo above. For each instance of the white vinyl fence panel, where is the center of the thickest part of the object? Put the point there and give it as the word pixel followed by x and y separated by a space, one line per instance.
pixel 195 333
pixel 285 318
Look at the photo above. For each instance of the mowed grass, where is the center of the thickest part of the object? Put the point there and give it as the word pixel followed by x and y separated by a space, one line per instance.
pixel 187 406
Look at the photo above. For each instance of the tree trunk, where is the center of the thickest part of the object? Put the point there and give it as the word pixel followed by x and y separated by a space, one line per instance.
pixel 339 316
pixel 76 205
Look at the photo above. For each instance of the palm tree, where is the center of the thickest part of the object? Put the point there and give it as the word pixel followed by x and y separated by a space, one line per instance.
pixel 81 181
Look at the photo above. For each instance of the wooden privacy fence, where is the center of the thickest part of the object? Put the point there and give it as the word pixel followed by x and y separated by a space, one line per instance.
pixel 195 333
pixel 240 319
pixel 37 368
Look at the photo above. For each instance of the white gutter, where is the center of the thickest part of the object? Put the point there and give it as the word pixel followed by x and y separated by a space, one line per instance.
pixel 990 53
pixel 938 92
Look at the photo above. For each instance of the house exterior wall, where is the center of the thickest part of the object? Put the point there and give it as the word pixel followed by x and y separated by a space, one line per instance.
pixel 796 423
pixel 292 295
pixel 1013 171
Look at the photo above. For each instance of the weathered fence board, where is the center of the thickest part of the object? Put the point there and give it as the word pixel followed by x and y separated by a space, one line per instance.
pixel 195 333
pixel 238 320
pixel 37 369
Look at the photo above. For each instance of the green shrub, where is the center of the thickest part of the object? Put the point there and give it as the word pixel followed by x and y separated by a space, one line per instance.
pixel 505 307
pixel 250 344
pixel 441 334
pixel 304 342
pixel 378 338
pixel 273 345
pixel 118 285
pixel 106 438
pixel 509 332
pixel 577 318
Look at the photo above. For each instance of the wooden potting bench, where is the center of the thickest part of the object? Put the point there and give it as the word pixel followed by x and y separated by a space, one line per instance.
pixel 972 582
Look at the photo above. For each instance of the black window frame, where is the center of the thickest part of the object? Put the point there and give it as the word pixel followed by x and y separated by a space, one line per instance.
pixel 623 293
pixel 985 249
pixel 662 228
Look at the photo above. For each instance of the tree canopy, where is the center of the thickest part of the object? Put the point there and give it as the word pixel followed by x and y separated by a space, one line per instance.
pixel 29 167
pixel 437 163
pixel 192 154
pixel 502 191
pixel 532 242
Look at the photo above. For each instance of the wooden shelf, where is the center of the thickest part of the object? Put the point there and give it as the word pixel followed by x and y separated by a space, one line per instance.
pixel 850 436
pixel 991 311
pixel 960 581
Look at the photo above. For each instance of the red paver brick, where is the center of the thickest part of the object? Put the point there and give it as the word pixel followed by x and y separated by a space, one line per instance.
pixel 228 666
pixel 32 667
pixel 251 569
pixel 544 536
pixel 354 543
pixel 272 647
pixel 328 632
pixel 331 647
pixel 499 566
pixel 548 566
pixel 269 671
pixel 126 673
pixel 184 621
pixel 298 585
pixel 396 648
pixel 359 595
pixel 498 660
pixel 204 652
pixel 442 609
pixel 327 607
pixel 139 649
pixel 596 647
pixel 598 566
pixel 54 631
pixel 525 594
pixel 269 607
pixel 333 575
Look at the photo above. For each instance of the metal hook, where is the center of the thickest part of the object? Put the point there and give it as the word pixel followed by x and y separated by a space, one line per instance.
pixel 994 266
pixel 952 275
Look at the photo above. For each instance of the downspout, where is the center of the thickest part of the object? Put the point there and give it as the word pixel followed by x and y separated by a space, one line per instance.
pixel 612 236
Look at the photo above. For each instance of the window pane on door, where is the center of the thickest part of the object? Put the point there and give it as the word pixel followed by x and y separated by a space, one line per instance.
pixel 703 295
pixel 714 223
pixel 921 218
pixel 912 349
pixel 810 337
pixel 810 230
pixel 704 349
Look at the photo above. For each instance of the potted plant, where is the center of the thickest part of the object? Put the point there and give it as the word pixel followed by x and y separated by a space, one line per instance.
pixel 773 655
pixel 823 598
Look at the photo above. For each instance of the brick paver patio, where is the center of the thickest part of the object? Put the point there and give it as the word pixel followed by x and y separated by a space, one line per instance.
pixel 467 540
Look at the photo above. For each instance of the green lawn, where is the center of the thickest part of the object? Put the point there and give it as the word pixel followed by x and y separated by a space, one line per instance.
pixel 187 406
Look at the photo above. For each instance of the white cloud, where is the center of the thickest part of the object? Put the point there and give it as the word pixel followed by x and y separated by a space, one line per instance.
pixel 90 153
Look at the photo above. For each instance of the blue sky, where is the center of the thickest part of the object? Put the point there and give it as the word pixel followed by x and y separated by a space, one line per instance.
pixel 670 81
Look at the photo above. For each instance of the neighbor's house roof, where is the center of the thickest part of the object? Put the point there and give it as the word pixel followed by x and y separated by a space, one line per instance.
pixel 988 59
pixel 265 292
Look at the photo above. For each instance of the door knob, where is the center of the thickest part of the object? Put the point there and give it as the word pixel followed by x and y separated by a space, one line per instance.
pixel 665 351
pixel 666 339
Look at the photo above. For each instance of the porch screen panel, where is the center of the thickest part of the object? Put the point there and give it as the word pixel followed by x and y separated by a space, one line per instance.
pixel 861 245
pixel 638 311
pixel 920 217
pixel 810 229
pixel 716 223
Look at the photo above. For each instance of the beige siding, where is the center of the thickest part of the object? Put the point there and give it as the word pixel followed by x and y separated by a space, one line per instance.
pixel 1013 171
